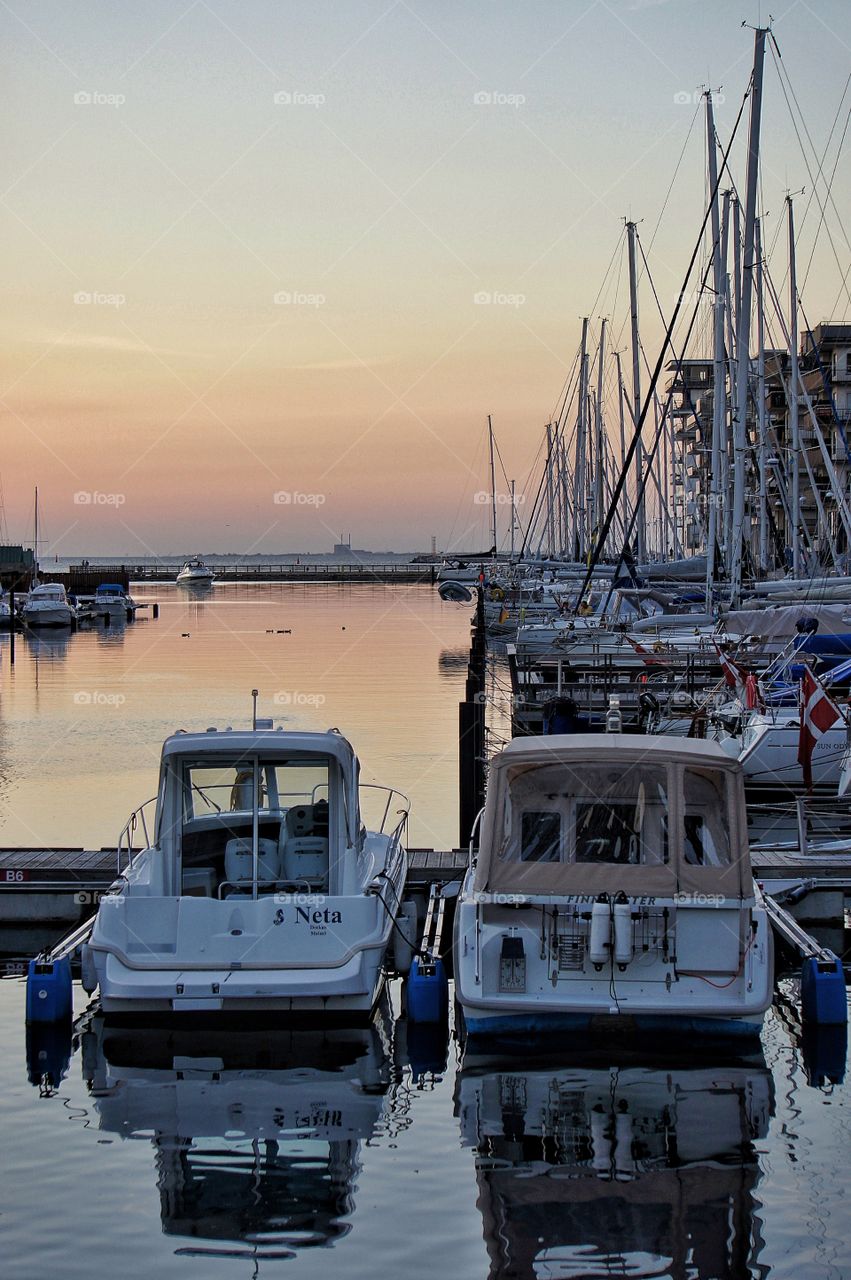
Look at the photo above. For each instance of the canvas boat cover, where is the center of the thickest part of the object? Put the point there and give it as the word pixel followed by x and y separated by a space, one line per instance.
pixel 589 814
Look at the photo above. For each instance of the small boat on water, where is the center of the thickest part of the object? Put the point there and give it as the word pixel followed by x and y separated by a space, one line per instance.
pixel 613 885
pixel 47 605
pixel 113 602
pixel 261 888
pixel 195 573
pixel 5 612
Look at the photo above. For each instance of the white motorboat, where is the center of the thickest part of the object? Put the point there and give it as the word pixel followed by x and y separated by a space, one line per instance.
pixel 113 602
pixel 5 613
pixel 261 888
pixel 195 573
pixel 612 884
pixel 766 744
pixel 47 605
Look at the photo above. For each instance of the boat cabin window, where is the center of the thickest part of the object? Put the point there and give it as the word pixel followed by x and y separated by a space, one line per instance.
pixel 705 818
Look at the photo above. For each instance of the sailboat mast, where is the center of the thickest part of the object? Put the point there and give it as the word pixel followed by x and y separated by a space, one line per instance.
pixel 35 573
pixel 550 464
pixel 640 535
pixel 719 380
pixel 743 322
pixel 513 519
pixel 760 404
pixel 493 489
pixel 599 512
pixel 579 478
pixel 794 429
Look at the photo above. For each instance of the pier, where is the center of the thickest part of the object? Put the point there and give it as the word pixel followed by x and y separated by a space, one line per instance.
pixel 85 577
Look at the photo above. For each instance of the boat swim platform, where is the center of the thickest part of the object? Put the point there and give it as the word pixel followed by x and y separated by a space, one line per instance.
pixel 61 884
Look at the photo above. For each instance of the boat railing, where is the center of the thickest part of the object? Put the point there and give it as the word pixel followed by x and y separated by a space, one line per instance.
pixel 400 814
pixel 473 849
pixel 125 849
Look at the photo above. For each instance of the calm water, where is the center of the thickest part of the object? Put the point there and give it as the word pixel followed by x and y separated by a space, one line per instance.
pixel 218 1154
pixel 83 716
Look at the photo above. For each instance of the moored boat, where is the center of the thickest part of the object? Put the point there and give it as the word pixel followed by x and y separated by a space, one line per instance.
pixel 612 884
pixel 261 888
pixel 47 605
pixel 112 601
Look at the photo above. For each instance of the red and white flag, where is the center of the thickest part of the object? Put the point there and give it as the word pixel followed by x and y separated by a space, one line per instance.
pixel 818 714
pixel 743 682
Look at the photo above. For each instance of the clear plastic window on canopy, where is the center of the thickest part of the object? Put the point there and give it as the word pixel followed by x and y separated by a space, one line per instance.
pixel 594 813
pixel 705 819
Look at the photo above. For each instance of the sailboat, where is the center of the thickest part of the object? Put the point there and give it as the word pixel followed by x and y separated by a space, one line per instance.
pixel 46 604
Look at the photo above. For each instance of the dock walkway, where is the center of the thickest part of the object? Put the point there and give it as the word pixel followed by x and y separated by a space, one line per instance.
pixel 48 884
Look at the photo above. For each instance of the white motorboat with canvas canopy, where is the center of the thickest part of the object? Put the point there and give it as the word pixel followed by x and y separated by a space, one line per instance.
pixel 612 881
pixel 261 888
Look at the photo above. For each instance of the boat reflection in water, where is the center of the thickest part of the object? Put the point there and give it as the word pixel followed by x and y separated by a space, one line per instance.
pixel 630 1171
pixel 257 1134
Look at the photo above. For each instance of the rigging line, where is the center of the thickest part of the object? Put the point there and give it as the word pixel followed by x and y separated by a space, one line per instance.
pixel 785 74
pixel 557 437
pixel 636 437
pixel 813 180
pixel 651 453
pixel 662 318
pixel 619 243
pixel 832 173
pixel 674 178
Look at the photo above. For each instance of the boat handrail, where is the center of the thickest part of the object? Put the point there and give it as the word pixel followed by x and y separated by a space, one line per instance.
pixel 125 839
pixel 390 792
pixel 476 824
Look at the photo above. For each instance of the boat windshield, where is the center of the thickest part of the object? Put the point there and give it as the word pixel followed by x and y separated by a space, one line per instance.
pixel 295 800
pixel 212 787
pixel 593 813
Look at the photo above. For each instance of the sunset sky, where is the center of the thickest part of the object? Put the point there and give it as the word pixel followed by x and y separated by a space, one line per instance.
pixel 157 199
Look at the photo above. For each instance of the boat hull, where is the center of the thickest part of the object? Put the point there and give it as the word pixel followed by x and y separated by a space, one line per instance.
pixel 511 1026
pixel 723 998
pixel 349 993
pixel 53 616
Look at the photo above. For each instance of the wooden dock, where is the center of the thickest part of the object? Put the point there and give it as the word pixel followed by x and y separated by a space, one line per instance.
pixel 65 884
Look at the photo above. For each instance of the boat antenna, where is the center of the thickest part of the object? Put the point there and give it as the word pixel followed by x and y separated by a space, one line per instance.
pixel 254 695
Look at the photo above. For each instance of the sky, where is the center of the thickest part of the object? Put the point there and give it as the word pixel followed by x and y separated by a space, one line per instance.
pixel 270 265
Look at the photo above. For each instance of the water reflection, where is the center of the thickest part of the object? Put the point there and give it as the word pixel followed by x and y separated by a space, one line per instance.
pixel 257 1135
pixel 630 1171
pixel 46 647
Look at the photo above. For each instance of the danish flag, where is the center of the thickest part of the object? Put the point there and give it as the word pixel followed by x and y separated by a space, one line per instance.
pixel 743 682
pixel 818 714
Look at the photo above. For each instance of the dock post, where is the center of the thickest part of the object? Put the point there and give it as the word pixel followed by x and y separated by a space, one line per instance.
pixel 12 626
pixel 471 731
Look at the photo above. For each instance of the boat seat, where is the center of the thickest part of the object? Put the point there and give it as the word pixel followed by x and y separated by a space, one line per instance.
pixel 305 858
pixel 304 845
pixel 239 866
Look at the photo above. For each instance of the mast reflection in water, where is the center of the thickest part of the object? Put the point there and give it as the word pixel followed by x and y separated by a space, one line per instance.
pixel 257 1134
pixel 631 1171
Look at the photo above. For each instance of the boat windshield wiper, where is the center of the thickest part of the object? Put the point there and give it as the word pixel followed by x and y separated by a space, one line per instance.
pixel 206 798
